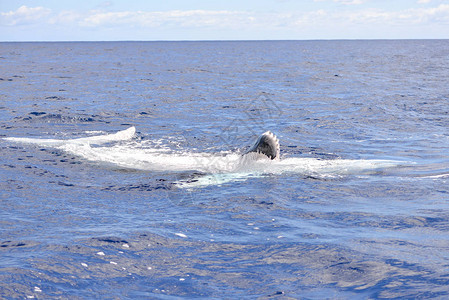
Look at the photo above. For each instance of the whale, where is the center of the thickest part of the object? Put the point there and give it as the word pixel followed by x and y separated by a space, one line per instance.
pixel 124 150
pixel 268 145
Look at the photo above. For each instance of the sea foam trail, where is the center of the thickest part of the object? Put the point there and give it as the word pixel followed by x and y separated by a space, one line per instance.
pixel 122 151
pixel 98 139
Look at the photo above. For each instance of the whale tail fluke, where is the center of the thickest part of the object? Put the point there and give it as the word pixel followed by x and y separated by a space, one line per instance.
pixel 267 144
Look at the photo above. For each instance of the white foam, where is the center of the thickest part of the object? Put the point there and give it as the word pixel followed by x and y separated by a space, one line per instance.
pixel 98 139
pixel 121 150
pixel 437 176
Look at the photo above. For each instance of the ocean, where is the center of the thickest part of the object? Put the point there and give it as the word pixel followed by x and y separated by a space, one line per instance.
pixel 123 172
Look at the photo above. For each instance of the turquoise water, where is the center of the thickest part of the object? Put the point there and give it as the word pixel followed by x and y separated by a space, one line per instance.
pixel 357 206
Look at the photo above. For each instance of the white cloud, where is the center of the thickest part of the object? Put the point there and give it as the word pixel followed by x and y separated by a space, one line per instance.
pixel 184 18
pixel 438 15
pixel 293 23
pixel 345 2
pixel 66 17
pixel 221 18
pixel 24 15
pixel 423 1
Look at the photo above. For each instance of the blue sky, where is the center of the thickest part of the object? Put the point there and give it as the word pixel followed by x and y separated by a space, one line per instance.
pixel 91 20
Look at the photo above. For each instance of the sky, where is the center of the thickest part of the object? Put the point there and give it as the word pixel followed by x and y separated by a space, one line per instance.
pixel 118 20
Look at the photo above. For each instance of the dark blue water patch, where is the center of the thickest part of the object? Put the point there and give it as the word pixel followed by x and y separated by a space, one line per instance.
pixel 9 245
pixel 54 98
pixel 139 187
pixel 58 118
pixel 37 113
pixel 113 240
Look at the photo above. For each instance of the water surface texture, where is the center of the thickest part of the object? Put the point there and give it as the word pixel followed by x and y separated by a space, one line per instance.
pixel 122 175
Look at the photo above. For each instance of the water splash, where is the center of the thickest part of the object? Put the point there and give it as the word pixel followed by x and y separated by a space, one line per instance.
pixel 122 150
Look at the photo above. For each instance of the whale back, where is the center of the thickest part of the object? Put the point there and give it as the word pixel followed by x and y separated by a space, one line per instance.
pixel 267 144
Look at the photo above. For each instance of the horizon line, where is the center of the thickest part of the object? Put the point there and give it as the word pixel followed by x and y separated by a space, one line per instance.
pixel 226 40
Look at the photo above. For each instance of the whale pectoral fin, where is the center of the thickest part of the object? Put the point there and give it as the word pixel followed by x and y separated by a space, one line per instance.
pixel 267 144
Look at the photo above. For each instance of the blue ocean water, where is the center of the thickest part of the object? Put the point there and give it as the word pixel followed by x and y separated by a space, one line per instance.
pixel 356 207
